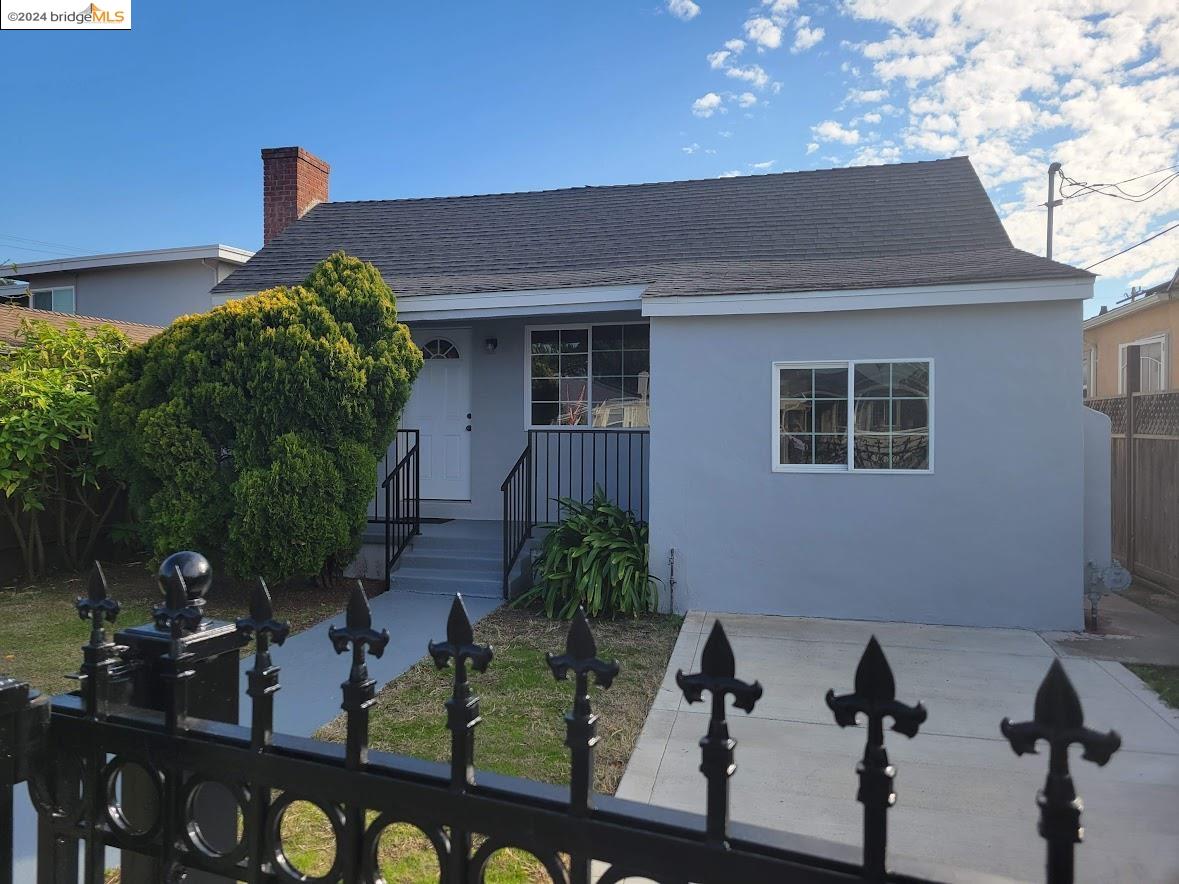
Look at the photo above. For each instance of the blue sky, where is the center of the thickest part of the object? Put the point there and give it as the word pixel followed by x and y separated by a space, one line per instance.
pixel 150 138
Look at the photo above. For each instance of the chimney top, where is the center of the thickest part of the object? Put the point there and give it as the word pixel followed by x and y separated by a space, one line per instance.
pixel 293 181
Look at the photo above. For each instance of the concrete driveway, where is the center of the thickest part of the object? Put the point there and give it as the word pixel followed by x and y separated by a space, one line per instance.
pixel 963 797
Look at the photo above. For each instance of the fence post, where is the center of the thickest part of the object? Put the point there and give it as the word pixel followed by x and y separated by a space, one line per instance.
pixel 189 668
pixel 1133 382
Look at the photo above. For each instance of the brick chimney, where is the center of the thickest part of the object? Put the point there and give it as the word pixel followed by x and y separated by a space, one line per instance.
pixel 293 181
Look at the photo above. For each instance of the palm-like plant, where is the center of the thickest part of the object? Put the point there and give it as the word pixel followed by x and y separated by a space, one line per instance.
pixel 596 558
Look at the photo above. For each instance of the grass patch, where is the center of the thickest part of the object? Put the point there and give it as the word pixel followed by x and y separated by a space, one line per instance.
pixel 1163 680
pixel 41 635
pixel 523 727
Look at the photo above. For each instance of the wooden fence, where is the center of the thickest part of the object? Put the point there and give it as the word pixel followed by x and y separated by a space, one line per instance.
pixel 1145 477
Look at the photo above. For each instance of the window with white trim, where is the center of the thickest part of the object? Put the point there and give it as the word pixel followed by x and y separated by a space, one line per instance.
pixel 59 300
pixel 590 376
pixel 1088 372
pixel 866 416
pixel 1152 364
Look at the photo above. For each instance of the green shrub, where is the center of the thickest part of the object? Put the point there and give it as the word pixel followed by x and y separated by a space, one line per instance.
pixel 252 432
pixel 48 409
pixel 596 557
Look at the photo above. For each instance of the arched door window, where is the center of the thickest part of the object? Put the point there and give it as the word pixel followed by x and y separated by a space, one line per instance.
pixel 440 348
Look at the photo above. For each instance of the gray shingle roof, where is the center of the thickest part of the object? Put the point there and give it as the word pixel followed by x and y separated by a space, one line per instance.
pixel 861 227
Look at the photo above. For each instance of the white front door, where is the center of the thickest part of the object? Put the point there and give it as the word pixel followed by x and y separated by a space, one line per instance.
pixel 440 408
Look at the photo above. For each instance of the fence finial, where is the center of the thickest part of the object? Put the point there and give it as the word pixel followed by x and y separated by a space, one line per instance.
pixel 581 658
pixel 717 675
pixel 96 606
pixel 262 679
pixel 1059 720
pixel 462 709
pixel 359 690
pixel 875 696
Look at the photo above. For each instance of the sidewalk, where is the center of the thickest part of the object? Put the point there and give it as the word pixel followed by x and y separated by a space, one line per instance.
pixel 1129 633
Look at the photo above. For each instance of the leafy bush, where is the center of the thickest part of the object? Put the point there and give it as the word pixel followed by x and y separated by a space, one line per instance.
pixel 253 431
pixel 595 557
pixel 48 473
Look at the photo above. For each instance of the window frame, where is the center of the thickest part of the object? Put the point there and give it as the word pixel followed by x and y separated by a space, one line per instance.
pixel 52 291
pixel 1163 340
pixel 776 464
pixel 1088 371
pixel 576 326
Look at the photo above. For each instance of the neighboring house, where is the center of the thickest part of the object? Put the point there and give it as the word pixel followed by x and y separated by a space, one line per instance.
pixel 151 287
pixel 1148 318
pixel 12 316
pixel 861 396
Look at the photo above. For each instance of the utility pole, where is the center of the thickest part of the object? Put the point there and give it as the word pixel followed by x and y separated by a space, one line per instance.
pixel 1052 203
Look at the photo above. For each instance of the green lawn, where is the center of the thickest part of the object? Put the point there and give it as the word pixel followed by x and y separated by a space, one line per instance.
pixel 41 635
pixel 1163 680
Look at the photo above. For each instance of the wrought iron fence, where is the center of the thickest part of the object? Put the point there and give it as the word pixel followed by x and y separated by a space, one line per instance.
pixel 73 749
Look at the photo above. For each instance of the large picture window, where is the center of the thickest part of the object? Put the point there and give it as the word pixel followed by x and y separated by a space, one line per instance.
pixel 859 416
pixel 590 376
pixel 59 300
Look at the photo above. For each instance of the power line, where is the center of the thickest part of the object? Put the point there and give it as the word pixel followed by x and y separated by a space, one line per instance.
pixel 1136 245
pixel 40 242
pixel 1087 188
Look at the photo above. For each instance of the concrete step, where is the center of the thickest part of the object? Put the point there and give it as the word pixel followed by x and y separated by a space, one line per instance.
pixel 467 528
pixel 454 560
pixel 433 544
pixel 477 586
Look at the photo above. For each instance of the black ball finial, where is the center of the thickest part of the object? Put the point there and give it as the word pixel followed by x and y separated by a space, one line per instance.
pixel 195 570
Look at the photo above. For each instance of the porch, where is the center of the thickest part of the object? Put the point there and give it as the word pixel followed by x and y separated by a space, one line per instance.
pixel 508 416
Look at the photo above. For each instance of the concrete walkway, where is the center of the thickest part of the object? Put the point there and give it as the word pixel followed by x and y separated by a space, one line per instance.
pixel 964 798
pixel 1128 633
pixel 312 671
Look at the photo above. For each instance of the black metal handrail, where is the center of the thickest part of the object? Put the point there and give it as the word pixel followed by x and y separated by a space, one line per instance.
pixel 401 490
pixel 571 462
pixel 518 522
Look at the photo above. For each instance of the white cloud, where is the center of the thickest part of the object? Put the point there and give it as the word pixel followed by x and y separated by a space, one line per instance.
pixel 1017 85
pixel 762 167
pixel 764 32
pixel 753 74
pixel 685 10
pixel 690 148
pixel 829 130
pixel 872 118
pixel 732 173
pixel 812 147
pixel 805 38
pixel 866 96
pixel 779 8
pixel 735 46
pixel 725 133
pixel 716 60
pixel 746 99
pixel 707 105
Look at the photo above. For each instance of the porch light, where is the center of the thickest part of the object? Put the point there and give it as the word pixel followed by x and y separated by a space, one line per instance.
pixel 490 344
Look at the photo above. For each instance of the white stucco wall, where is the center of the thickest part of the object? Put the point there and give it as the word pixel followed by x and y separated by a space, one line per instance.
pixel 154 294
pixel 992 537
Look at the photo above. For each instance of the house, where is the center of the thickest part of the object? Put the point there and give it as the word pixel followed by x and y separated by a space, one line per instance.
pixel 1148 318
pixel 150 287
pixel 837 393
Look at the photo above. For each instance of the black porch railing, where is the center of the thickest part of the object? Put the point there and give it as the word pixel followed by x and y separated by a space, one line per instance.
pixel 571 462
pixel 75 748
pixel 399 499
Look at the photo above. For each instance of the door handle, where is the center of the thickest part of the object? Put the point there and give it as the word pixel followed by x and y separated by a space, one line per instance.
pixel 468 428
pixel 468 415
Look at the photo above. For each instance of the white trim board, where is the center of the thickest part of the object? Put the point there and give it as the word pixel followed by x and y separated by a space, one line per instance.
pixel 228 254
pixel 1121 311
pixel 830 300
